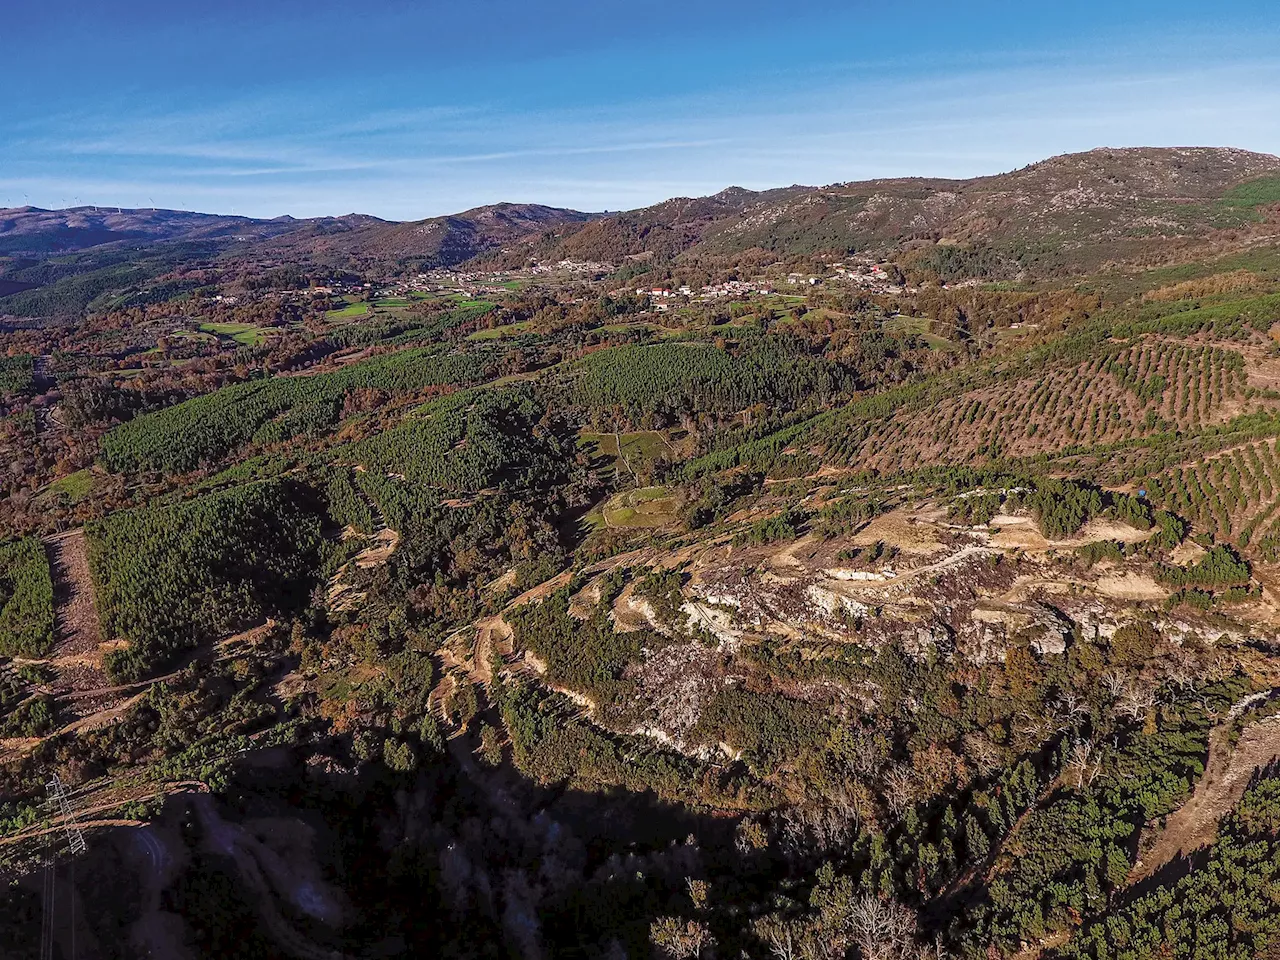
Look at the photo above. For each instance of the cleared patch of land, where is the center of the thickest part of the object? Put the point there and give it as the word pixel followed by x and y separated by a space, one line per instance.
pixel 358 309
pixel 645 507
pixel 77 631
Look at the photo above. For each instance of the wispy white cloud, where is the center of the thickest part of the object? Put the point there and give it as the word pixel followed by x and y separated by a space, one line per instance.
pixel 306 152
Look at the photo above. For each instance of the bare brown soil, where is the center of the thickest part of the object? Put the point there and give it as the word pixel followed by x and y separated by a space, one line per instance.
pixel 1036 950
pixel 912 531
pixel 380 549
pixel 1263 371
pixel 77 630
pixel 342 595
pixel 1129 585
pixel 631 612
pixel 493 634
pixel 542 590
pixel 1047 413
pixel 1020 532
pixel 583 603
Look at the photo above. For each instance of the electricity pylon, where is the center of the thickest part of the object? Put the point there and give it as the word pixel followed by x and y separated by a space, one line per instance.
pixel 61 804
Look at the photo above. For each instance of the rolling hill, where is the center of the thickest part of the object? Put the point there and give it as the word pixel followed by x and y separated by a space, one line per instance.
pixel 58 262
pixel 434 242
pixel 1064 215
pixel 31 231
pixel 378 616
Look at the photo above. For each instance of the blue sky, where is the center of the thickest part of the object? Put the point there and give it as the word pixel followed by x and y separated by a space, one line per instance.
pixel 410 109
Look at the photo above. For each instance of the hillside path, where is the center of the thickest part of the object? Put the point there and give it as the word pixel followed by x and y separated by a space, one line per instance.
pixel 76 626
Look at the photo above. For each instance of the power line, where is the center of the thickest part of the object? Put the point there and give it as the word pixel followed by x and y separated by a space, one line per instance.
pixel 46 927
pixel 59 803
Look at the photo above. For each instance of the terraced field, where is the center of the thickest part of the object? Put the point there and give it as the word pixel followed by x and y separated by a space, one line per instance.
pixel 1123 393
pixel 1233 494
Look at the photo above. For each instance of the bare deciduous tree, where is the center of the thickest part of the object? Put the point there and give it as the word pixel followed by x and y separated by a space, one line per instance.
pixel 984 753
pixel 680 939
pixel 1082 762
pixel 1135 701
pixel 1114 683
pixel 899 787
pixel 881 929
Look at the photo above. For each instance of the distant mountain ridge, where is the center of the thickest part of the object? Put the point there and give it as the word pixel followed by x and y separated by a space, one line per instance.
pixel 437 241
pixel 1071 213
pixel 1078 209
pixel 34 231
pixel 434 242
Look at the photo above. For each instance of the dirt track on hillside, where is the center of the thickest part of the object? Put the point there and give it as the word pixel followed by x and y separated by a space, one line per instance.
pixel 77 629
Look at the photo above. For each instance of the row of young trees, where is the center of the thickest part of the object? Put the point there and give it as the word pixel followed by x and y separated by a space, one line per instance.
pixel 1117 395
pixel 1187 384
pixel 1234 494
pixel 1221 317
pixel 1073 395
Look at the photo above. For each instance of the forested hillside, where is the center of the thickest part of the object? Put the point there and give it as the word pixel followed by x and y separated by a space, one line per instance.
pixel 885 570
pixel 172 577
pixel 204 430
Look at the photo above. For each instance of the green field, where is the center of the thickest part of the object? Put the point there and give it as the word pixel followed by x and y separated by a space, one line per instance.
pixel 358 309
pixel 645 507
pixel 918 326
pixel 498 333
pixel 1256 193
pixel 641 445
pixel 193 335
pixel 479 305
pixel 245 334
pixel 74 486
